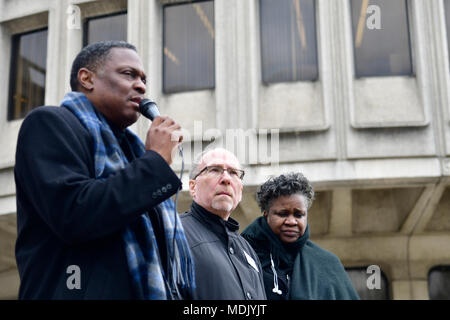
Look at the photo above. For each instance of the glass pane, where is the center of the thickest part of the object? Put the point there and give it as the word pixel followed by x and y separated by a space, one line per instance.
pixel 359 277
pixel 28 69
pixel 288 40
pixel 113 27
pixel 381 38
pixel 189 47
pixel 447 22
pixel 439 283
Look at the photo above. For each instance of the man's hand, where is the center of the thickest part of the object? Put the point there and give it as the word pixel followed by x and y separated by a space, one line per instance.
pixel 163 136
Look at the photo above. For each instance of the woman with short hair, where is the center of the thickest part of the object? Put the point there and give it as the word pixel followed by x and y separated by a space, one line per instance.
pixel 293 266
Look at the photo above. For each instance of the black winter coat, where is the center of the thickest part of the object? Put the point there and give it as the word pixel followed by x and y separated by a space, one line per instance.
pixel 67 217
pixel 226 267
pixel 314 273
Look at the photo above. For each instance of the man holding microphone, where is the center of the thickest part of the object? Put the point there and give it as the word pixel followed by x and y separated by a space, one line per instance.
pixel 94 215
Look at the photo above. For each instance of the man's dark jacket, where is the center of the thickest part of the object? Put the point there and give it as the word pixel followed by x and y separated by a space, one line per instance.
pixel 66 217
pixel 222 269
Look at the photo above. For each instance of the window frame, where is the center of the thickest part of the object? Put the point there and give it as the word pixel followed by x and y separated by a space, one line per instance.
pixel 410 33
pixel 163 45
pixel 383 276
pixel 316 44
pixel 12 80
pixel 447 26
pixel 101 16
pixel 440 267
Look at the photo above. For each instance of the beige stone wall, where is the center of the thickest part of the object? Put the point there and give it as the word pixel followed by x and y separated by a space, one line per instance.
pixel 377 150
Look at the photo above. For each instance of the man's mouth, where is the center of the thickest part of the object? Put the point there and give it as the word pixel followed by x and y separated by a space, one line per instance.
pixel 136 100
pixel 223 194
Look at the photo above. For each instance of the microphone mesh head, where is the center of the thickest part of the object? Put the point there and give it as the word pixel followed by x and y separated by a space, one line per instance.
pixel 148 109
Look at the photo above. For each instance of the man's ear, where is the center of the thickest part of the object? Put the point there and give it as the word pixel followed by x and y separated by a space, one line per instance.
pixel 265 213
pixel 192 188
pixel 85 79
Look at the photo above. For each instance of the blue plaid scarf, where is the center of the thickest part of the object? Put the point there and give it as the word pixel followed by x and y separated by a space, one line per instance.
pixel 144 263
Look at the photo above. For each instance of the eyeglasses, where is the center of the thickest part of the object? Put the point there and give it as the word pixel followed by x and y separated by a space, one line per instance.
pixel 218 171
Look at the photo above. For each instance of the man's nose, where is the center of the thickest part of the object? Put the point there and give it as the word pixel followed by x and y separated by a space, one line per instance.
pixel 225 177
pixel 139 86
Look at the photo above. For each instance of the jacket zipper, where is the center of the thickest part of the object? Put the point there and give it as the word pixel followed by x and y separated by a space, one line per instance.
pixel 287 277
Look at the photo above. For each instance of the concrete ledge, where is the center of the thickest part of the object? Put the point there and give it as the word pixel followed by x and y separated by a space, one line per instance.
pixel 352 173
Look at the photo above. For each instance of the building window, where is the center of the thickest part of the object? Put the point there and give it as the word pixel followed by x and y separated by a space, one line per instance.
pixel 439 283
pixel 28 69
pixel 365 283
pixel 288 40
pixel 189 47
pixel 109 27
pixel 381 38
pixel 447 22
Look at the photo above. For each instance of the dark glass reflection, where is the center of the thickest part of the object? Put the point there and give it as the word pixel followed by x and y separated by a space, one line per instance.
pixel 439 283
pixel 111 27
pixel 359 278
pixel 381 38
pixel 447 22
pixel 288 40
pixel 28 70
pixel 189 47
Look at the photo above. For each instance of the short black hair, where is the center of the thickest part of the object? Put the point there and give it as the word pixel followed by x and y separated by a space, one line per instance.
pixel 284 185
pixel 92 56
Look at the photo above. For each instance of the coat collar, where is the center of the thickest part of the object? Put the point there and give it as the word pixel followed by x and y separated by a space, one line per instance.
pixel 214 220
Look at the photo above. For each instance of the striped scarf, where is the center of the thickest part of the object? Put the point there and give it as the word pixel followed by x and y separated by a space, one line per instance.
pixel 148 277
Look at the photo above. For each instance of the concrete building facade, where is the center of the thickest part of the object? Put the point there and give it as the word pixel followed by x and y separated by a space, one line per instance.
pixel 377 149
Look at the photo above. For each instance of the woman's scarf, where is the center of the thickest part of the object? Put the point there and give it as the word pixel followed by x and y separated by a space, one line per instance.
pixel 144 263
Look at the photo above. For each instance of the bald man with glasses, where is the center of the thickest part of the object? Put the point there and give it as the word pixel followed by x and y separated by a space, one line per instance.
pixel 226 267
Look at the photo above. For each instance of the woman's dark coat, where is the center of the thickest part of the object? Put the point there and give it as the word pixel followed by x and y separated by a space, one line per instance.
pixel 305 270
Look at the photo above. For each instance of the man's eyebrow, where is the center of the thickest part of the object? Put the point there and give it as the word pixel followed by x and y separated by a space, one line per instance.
pixel 222 166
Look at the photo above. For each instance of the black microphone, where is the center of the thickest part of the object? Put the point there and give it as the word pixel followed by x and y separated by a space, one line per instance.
pixel 148 109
